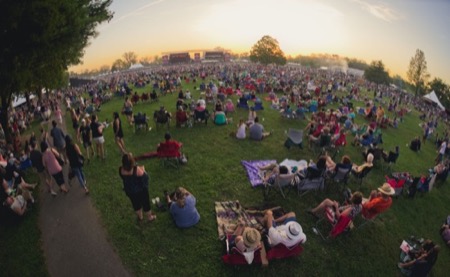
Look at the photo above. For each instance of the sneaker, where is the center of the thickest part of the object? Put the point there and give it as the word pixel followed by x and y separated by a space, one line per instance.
pixel 53 193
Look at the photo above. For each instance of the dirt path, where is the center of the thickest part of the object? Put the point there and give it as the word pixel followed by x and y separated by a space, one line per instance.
pixel 74 241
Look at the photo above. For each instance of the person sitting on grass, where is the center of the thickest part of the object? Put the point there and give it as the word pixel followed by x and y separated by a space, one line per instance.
pixel 182 208
pixel 271 171
pixel 344 163
pixel 359 168
pixel 379 201
pixel 247 241
pixel 17 204
pixel 415 144
pixel 421 263
pixel 220 118
pixel 445 232
pixel 241 131
pixel 285 229
pixel 169 147
pixel 349 212
pixel 324 138
pixel 257 131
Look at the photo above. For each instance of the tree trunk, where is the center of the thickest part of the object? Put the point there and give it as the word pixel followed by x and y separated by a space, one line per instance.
pixel 6 101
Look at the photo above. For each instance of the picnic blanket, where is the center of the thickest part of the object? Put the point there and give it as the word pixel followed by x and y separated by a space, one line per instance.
pixel 252 168
pixel 295 165
pixel 228 214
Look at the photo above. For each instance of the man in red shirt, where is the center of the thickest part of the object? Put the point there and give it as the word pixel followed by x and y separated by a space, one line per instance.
pixel 378 202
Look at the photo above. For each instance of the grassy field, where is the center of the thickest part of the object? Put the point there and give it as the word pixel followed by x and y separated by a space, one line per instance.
pixel 214 173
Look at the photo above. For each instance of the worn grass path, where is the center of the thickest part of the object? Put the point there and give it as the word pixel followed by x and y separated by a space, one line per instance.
pixel 74 240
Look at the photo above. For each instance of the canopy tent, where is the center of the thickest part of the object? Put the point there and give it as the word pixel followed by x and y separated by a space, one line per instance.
pixel 136 66
pixel 433 97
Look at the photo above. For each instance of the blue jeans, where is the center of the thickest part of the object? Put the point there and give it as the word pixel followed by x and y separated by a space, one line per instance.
pixel 78 172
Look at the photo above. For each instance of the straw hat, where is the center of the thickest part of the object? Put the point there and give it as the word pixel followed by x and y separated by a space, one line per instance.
pixel 386 189
pixel 251 237
pixel 294 231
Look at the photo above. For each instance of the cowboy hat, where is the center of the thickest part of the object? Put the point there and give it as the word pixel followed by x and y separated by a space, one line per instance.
pixel 386 189
pixel 251 237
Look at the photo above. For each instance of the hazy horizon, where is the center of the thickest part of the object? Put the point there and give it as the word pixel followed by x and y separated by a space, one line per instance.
pixel 366 30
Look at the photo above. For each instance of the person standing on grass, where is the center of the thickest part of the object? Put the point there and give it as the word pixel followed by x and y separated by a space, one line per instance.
pixel 135 185
pixel 75 122
pixel 86 138
pixel 76 161
pixel 97 136
pixel 118 132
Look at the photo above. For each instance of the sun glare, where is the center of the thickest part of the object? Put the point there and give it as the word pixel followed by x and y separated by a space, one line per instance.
pixel 304 26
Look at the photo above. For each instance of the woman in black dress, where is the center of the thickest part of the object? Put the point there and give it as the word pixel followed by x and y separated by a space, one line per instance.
pixel 118 132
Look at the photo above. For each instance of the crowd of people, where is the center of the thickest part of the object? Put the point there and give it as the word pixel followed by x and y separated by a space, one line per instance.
pixel 292 91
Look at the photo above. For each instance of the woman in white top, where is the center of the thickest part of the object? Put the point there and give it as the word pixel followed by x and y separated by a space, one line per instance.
pixel 241 131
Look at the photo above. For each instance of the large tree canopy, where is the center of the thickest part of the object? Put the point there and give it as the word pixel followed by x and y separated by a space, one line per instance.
pixel 442 91
pixel 417 72
pixel 267 51
pixel 376 73
pixel 39 39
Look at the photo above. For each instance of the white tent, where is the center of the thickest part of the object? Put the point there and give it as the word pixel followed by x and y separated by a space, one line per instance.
pixel 433 97
pixel 136 66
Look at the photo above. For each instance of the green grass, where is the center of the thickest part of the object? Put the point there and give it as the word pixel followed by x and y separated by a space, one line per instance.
pixel 20 238
pixel 214 173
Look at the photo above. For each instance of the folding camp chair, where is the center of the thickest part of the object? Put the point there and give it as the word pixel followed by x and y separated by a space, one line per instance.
pixel 390 159
pixel 322 145
pixel 161 118
pixel 294 138
pixel 170 153
pixel 140 122
pixel 281 183
pixel 201 116
pixel 362 175
pixel 314 180
pixel 340 174
pixel 338 225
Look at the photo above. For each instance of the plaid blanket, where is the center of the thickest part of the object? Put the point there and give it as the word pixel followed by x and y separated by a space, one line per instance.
pixel 252 168
pixel 228 214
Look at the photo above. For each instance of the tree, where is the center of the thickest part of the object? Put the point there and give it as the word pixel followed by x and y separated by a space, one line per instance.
pixel 441 89
pixel 146 61
pixel 376 73
pixel 41 39
pixel 417 72
pixel 129 58
pixel 267 51
pixel 118 65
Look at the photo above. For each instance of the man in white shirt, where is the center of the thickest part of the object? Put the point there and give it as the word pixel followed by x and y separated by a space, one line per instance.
pixel 285 229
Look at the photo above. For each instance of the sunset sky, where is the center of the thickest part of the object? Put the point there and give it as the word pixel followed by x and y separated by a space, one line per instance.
pixel 390 31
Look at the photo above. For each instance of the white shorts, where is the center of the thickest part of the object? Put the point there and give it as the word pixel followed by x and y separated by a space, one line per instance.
pixel 99 140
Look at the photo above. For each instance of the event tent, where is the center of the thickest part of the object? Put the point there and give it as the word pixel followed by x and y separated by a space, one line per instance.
pixel 433 97
pixel 136 66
